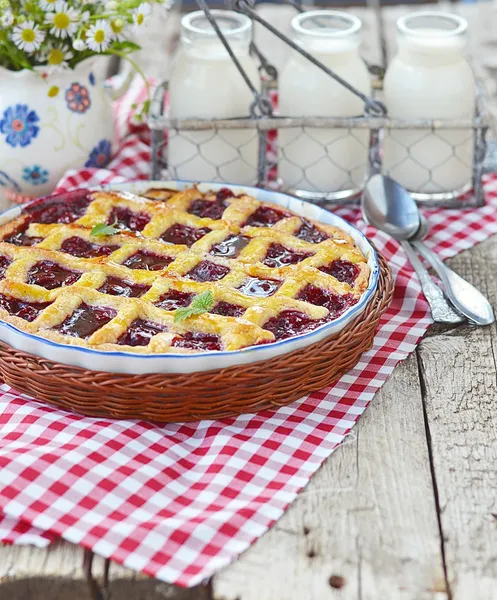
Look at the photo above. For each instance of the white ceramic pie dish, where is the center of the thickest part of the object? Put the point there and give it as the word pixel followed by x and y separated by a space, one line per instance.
pixel 126 362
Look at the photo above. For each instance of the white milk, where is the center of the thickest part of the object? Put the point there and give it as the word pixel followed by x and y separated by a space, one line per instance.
pixel 323 160
pixel 206 84
pixel 430 79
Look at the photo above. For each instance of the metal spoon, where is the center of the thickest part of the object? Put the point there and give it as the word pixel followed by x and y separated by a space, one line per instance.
pixel 387 210
pixel 465 297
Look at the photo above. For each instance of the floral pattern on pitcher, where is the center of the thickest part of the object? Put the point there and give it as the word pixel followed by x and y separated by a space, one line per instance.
pixel 78 98
pixel 100 155
pixel 35 175
pixel 19 125
pixel 49 124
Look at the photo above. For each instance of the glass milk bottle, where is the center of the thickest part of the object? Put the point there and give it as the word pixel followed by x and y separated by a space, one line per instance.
pixel 323 163
pixel 206 84
pixel 430 79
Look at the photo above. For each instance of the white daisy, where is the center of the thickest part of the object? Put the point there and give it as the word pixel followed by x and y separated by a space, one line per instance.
pixel 58 57
pixel 47 4
pixel 118 27
pixel 79 45
pixel 7 19
pixel 63 19
pixel 27 36
pixel 141 13
pixel 99 36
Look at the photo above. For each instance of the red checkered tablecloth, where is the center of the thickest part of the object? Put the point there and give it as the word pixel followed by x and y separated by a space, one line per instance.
pixel 181 501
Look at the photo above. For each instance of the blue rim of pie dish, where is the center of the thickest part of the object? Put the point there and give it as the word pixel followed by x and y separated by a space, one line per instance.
pixel 347 315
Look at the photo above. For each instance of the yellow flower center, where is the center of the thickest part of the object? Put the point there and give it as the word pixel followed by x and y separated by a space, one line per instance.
pixel 139 18
pixel 61 21
pixel 99 36
pixel 55 57
pixel 28 35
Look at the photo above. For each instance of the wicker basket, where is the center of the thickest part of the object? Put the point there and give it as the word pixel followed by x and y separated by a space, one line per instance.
pixel 207 395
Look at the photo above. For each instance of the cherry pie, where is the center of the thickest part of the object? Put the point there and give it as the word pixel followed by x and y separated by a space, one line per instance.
pixel 109 271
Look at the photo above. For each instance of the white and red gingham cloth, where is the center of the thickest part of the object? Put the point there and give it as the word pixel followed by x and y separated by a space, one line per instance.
pixel 181 501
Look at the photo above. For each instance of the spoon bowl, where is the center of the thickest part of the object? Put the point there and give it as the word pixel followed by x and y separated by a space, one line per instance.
pixel 390 208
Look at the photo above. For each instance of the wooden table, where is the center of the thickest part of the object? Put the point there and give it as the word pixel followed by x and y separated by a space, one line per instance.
pixel 405 509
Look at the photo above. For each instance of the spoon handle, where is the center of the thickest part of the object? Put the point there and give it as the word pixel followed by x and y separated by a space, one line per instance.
pixel 465 297
pixel 441 310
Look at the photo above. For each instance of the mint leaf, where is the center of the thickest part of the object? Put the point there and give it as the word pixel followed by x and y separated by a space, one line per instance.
pixel 181 314
pixel 203 301
pixel 200 304
pixel 103 229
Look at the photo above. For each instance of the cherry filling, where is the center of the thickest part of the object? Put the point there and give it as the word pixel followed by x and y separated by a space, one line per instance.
pixel 182 234
pixel 265 216
pixel 63 208
pixel 335 303
pixel 25 310
pixel 51 275
pixel 212 209
pixel 253 286
pixel 4 265
pixel 207 271
pixel 310 233
pixel 224 194
pixel 147 261
pixel 20 238
pixel 124 218
pixel 118 287
pixel 85 320
pixel 343 270
pixel 140 333
pixel 198 341
pixel 230 247
pixel 174 299
pixel 81 248
pixel 279 256
pixel 290 323
pixel 228 310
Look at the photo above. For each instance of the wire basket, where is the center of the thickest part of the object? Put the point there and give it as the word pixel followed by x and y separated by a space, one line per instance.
pixel 225 149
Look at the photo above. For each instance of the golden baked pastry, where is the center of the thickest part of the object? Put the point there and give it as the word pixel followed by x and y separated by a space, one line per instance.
pixel 113 271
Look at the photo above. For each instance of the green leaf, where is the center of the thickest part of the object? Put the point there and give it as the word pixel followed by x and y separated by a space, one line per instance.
pixel 199 305
pixel 203 301
pixel 126 46
pixel 103 229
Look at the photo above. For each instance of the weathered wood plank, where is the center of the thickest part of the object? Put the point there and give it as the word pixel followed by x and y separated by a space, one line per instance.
pixel 367 518
pixel 56 573
pixel 459 375
pixel 44 588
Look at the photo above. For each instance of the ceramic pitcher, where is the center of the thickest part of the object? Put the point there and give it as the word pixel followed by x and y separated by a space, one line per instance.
pixel 51 122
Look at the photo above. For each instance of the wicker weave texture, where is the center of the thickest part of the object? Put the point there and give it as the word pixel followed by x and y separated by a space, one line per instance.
pixel 167 398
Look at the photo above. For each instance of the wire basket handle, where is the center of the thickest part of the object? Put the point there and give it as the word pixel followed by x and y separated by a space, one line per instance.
pixel 372 106
pixel 261 106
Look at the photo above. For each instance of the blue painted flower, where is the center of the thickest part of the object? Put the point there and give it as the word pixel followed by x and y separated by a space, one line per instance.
pixel 78 98
pixel 8 182
pixel 100 155
pixel 91 78
pixel 35 175
pixel 19 125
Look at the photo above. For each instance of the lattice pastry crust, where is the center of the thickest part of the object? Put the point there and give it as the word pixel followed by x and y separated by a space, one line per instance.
pixel 271 273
